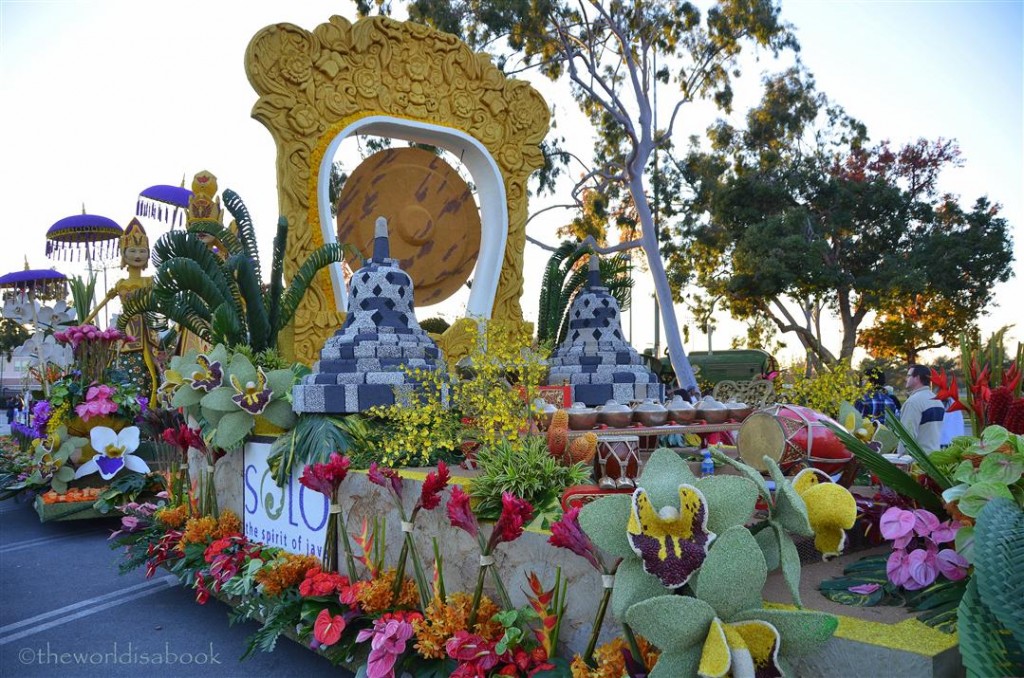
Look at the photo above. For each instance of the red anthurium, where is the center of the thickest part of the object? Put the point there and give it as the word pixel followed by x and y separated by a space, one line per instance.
pixel 327 629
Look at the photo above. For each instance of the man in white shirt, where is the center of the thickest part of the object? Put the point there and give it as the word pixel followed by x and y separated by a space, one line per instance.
pixel 922 412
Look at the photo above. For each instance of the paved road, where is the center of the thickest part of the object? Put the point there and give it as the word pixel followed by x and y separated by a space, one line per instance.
pixel 65 611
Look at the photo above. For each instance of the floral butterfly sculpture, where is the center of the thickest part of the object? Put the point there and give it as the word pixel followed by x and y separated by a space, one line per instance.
pixel 113 453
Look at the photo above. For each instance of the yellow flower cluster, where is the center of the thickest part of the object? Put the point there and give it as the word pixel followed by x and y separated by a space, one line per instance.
pixel 826 390
pixel 57 417
pixel 444 620
pixel 172 517
pixel 375 595
pixel 285 572
pixel 610 661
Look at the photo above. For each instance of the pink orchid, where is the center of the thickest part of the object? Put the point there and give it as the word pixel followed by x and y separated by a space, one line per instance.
pixel 896 523
pixel 95 408
pixel 101 391
pixel 951 564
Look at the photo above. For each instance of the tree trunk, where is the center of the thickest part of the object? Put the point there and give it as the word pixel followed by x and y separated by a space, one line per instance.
pixel 676 353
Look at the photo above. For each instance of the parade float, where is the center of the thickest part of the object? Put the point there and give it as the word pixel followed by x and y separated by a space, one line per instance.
pixel 473 503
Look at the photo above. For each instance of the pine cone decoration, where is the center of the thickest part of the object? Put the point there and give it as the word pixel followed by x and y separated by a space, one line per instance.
pixel 558 433
pixel 583 449
pixel 1014 421
pixel 999 404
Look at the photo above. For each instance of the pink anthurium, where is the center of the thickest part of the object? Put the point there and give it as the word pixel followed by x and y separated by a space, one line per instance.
pixel 896 523
pixel 951 564
pixel 922 567
pixel 924 522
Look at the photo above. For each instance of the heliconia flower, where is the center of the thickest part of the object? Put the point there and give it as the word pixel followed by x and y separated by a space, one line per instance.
pixel 327 629
pixel 831 509
pixel 385 477
pixel 947 388
pixel 433 486
pixel 746 648
pixel 566 533
pixel 459 513
pixel 515 514
pixel 896 522
pixel 113 452
pixel 672 543
pixel 254 396
pixel 208 377
pixel 951 564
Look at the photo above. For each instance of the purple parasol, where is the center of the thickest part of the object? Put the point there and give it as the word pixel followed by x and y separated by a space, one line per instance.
pixel 91 234
pixel 44 282
pixel 157 202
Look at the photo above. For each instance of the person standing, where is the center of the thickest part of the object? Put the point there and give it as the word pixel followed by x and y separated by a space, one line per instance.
pixel 922 412
pixel 875 402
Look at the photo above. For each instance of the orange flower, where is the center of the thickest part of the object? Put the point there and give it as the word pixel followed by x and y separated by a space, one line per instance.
pixel 375 595
pixel 228 524
pixel 286 572
pixel 609 659
pixel 198 531
pixel 173 517
pixel 444 620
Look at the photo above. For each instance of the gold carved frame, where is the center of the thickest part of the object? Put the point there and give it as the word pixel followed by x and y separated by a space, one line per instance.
pixel 311 85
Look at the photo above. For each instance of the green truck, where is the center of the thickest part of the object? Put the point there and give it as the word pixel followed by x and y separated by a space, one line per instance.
pixel 715 366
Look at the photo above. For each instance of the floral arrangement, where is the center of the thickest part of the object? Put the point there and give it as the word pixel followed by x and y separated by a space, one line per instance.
pixel 484 401
pixel 225 393
pixel 916 559
pixel 674 535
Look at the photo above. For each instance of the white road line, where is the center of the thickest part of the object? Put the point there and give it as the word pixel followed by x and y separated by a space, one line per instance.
pixel 39 541
pixel 68 613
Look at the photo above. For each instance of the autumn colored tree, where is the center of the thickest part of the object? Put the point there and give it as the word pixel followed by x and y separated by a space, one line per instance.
pixel 797 217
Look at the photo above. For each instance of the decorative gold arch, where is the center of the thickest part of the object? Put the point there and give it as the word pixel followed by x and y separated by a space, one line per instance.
pixel 313 85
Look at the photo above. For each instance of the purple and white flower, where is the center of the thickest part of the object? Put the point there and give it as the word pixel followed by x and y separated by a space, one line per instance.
pixel 113 453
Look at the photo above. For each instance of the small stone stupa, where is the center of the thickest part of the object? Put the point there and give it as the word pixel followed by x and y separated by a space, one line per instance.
pixel 361 366
pixel 595 360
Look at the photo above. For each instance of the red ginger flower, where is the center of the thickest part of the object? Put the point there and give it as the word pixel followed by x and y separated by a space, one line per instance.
pixel 433 486
pixel 459 513
pixel 326 478
pixel 386 477
pixel 566 533
pixel 515 514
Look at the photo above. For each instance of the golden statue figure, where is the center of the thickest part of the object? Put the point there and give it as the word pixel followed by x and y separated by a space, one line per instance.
pixel 137 358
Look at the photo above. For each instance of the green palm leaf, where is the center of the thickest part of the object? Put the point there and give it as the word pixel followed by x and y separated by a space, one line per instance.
pixel 256 313
pixel 320 258
pixel 888 473
pixel 276 289
pixel 226 326
pixel 246 231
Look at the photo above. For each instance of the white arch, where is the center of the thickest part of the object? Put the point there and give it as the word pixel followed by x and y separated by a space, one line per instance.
pixel 490 192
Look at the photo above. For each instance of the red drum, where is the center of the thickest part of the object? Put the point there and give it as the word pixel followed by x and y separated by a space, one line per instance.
pixel 793 436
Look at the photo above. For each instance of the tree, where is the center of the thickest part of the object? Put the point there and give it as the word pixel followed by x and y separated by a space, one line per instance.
pixel 798 211
pixel 613 52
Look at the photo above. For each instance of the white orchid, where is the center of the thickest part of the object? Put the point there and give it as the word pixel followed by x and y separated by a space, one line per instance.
pixel 43 348
pixel 18 307
pixel 113 452
pixel 60 314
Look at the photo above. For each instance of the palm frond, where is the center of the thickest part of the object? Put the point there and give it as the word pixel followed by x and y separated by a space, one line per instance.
pixel 551 285
pixel 276 289
pixel 185 245
pixel 888 473
pixel 915 451
pixel 244 271
pixel 191 312
pixel 226 326
pixel 246 230
pixel 320 258
pixel 179 275
pixel 83 294
pixel 228 239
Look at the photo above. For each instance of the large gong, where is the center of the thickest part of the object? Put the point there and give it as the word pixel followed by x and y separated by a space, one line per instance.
pixel 433 221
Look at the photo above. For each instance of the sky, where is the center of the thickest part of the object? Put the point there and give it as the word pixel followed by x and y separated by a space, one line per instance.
pixel 103 98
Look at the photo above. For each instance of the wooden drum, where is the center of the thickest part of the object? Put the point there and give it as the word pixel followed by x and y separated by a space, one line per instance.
pixel 792 436
pixel 617 462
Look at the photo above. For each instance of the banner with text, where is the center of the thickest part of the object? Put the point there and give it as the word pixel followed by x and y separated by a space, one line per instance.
pixel 293 517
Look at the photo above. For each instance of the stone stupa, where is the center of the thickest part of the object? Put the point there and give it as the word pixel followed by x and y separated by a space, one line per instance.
pixel 366 362
pixel 595 360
